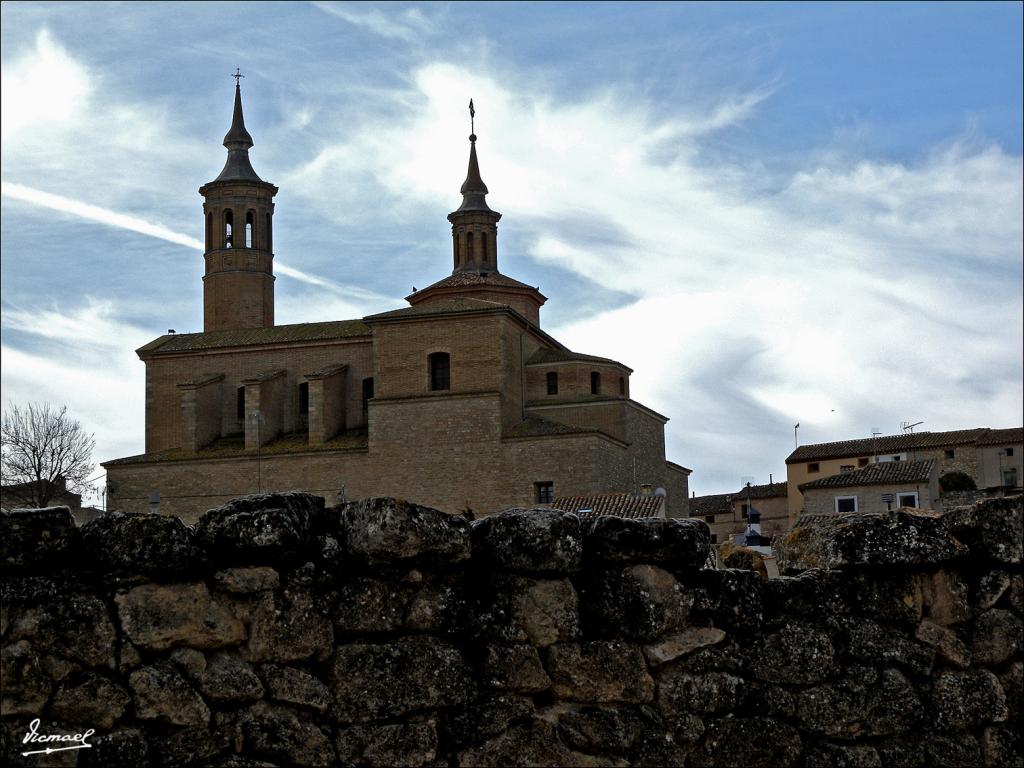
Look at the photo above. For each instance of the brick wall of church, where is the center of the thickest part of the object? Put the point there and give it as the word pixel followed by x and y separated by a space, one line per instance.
pixel 163 374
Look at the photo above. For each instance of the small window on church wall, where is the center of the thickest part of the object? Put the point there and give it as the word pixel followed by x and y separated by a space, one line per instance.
pixel 544 492
pixel 469 247
pixel 228 227
pixel 483 247
pixel 266 233
pixel 250 221
pixel 209 231
pixel 240 403
pixel 552 383
pixel 304 398
pixel 595 383
pixel 622 386
pixel 440 371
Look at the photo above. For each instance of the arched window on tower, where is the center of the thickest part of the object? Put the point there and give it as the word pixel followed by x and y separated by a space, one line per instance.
pixel 595 383
pixel 240 404
pixel 268 242
pixel 622 386
pixel 483 247
pixel 470 255
pixel 209 231
pixel 250 223
pixel 228 229
pixel 440 371
pixel 304 398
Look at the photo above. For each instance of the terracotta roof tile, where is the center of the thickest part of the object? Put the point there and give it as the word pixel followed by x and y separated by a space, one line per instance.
pixel 612 505
pixel 243 337
pixel 712 504
pixel 885 444
pixel 766 491
pixel 883 473
pixel 442 307
pixel 546 355
pixel 1014 435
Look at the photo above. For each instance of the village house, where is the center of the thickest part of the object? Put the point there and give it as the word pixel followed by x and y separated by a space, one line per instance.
pixel 991 457
pixel 458 401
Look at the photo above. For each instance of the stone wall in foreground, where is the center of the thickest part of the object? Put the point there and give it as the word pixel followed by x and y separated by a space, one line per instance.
pixel 277 632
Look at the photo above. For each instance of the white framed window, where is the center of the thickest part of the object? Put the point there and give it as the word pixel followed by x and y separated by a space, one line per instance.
pixel 908 499
pixel 845 504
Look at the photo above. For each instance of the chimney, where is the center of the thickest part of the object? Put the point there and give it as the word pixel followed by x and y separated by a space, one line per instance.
pixel 770 481
pixel 646 489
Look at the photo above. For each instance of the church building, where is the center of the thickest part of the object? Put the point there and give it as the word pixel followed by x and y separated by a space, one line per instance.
pixel 458 401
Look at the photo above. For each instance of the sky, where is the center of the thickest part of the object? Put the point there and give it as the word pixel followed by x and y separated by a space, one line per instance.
pixel 774 213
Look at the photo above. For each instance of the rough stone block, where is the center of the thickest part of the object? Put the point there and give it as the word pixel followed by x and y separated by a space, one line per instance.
pixel 158 616
pixel 228 679
pixel 392 679
pixel 812 594
pixel 290 627
pixel 996 636
pixel 637 602
pixel 730 598
pixel 515 668
pixel 267 529
pixel 604 728
pixel 37 540
pixel 91 699
pixel 278 734
pixel 408 745
pixel 161 693
pixel 992 528
pixel 544 541
pixel 754 742
pixel 26 686
pixel 74 626
pixel 829 755
pixel 862 703
pixel 371 605
pixel 484 718
pixel 247 580
pixel 948 645
pixel 967 699
pixel 600 672
pixel 800 653
pixel 900 537
pixel 687 641
pixel 518 609
pixel 671 543
pixel 392 531
pixel 872 643
pixel 532 743
pixel 140 543
pixel 294 686
pixel 123 748
pixel 682 693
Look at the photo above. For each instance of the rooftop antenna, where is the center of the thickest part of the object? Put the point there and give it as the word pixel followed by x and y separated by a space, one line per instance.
pixel 795 428
pixel 906 426
pixel 875 432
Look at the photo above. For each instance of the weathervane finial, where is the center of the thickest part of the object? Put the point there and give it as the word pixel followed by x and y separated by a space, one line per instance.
pixel 238 74
pixel 472 114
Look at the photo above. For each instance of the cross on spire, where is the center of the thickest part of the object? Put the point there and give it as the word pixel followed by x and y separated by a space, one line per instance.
pixel 238 74
pixel 472 114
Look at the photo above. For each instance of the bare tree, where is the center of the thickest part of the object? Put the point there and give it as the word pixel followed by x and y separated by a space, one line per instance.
pixel 42 451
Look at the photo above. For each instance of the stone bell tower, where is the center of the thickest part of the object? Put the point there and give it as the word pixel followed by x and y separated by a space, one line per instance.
pixel 238 285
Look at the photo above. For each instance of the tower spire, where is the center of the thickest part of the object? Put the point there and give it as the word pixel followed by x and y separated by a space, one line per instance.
pixel 473 188
pixel 238 141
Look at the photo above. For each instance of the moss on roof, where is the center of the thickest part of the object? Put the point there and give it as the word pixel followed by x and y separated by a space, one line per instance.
pixel 234 446
pixel 243 337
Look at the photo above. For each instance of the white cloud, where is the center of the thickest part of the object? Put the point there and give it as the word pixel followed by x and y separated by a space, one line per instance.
pixel 408 25
pixel 96 213
pixel 44 85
